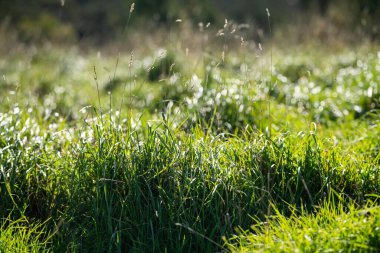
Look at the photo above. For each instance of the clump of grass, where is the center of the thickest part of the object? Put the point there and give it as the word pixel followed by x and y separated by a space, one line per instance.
pixel 163 65
pixel 118 188
pixel 23 236
pixel 332 228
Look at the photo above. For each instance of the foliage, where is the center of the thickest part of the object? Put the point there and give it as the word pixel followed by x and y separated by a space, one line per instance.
pixel 332 228
pixel 103 21
pixel 22 236
pixel 192 157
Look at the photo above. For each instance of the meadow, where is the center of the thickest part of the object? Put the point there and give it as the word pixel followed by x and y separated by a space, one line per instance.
pixel 220 144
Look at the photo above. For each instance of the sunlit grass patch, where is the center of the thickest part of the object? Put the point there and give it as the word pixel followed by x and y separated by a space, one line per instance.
pixel 332 228
pixel 23 236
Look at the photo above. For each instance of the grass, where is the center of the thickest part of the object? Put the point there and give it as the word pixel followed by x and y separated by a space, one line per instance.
pixel 154 157
pixel 332 229
pixel 22 236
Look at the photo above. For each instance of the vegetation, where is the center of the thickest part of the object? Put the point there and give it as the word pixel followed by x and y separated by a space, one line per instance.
pixel 233 146
pixel 331 229
pixel 70 21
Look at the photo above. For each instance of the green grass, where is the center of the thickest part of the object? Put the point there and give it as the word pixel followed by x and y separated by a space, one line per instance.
pixel 22 236
pixel 111 156
pixel 332 229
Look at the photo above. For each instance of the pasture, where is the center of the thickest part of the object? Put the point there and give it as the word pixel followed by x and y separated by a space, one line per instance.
pixel 226 146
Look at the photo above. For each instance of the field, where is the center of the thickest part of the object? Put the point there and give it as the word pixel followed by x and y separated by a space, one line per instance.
pixel 228 146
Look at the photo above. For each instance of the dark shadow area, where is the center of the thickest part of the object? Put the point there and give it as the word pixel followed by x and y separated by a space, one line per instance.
pixel 102 21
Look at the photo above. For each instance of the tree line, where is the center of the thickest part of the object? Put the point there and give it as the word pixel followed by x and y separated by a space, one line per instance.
pixel 104 19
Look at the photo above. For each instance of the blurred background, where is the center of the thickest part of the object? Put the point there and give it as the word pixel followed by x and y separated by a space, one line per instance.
pixel 102 21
